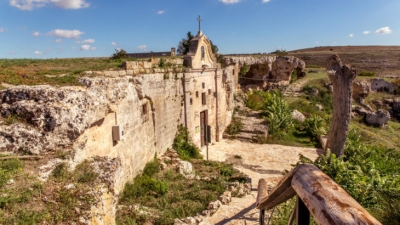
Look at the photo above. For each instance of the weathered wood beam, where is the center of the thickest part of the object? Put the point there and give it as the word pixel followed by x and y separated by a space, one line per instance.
pixel 326 200
pixel 282 192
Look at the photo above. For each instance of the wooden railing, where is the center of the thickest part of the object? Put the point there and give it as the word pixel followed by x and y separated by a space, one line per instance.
pixel 317 194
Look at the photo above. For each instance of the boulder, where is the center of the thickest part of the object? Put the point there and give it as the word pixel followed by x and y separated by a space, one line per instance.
pixel 378 118
pixel 361 89
pixel 381 85
pixel 296 115
pixel 185 168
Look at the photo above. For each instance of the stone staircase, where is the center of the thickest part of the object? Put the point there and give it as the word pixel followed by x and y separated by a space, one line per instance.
pixel 255 128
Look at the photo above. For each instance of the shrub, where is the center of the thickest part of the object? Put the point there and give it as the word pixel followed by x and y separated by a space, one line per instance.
pixel 277 112
pixel 243 70
pixel 314 126
pixel 119 54
pixel 85 173
pixel 183 145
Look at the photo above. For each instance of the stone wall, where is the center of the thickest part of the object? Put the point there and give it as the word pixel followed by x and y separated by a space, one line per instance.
pixel 79 120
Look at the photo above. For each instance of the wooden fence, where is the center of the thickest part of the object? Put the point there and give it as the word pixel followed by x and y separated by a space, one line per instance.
pixel 317 194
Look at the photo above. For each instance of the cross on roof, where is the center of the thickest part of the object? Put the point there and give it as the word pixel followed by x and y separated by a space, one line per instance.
pixel 199 19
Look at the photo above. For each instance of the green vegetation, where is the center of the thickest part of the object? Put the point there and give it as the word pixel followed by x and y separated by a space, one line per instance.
pixel 369 173
pixel 119 54
pixel 367 74
pixel 51 71
pixel 27 201
pixel 184 45
pixel 183 145
pixel 244 69
pixel 276 111
pixel 160 196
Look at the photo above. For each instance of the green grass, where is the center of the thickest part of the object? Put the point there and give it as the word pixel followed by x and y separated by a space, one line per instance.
pixel 29 201
pixel 67 71
pixel 168 195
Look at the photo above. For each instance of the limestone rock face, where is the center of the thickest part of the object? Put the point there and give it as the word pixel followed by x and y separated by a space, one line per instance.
pixel 283 67
pixel 377 119
pixel 248 60
pixel 59 115
pixel 361 89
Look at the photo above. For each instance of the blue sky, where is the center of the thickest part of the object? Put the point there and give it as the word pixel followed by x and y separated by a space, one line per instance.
pixel 86 28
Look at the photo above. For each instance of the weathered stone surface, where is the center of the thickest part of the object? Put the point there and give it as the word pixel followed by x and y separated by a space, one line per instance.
pixel 381 85
pixel 378 118
pixel 185 168
pixel 361 89
pixel 284 66
pixel 296 115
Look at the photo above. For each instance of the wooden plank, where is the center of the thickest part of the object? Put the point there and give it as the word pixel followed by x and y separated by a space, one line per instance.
pixel 326 200
pixel 282 192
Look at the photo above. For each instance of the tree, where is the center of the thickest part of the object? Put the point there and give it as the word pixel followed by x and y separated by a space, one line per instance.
pixel 184 45
pixel 342 77
pixel 119 54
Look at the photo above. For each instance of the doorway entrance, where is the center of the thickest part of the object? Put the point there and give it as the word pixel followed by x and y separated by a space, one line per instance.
pixel 203 127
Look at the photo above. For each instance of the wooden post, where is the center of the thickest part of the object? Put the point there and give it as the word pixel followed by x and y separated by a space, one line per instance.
pixel 262 193
pixel 302 213
pixel 342 77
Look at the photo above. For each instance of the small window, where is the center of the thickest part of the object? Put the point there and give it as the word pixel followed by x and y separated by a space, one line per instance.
pixel 191 101
pixel 197 94
pixel 202 52
pixel 144 109
pixel 203 85
pixel 233 72
pixel 209 91
pixel 203 98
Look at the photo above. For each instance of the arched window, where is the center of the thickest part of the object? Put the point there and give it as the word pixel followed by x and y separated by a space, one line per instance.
pixel 202 52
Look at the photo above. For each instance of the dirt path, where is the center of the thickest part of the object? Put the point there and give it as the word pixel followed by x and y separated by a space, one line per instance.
pixel 258 161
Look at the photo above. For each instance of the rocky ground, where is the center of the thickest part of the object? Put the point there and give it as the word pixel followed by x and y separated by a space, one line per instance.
pixel 258 161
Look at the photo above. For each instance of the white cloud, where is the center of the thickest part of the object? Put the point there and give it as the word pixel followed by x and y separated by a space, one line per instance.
pixel 1 30
pixel 70 4
pixel 160 12
pixel 65 33
pixel 85 47
pixel 115 43
pixel 93 48
pixel 59 40
pixel 36 33
pixel 229 1
pixel 38 53
pixel 366 32
pixel 383 30
pixel 33 4
pixel 142 47
pixel 87 41
pixel 351 35
pixel 265 1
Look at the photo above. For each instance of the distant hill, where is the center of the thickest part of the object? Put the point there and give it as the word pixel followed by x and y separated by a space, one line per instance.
pixel 383 60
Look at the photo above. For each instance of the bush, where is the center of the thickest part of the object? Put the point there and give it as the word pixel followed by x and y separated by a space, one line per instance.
pixel 85 173
pixel 243 70
pixel 119 54
pixel 277 112
pixel 314 126
pixel 183 145
pixel 367 74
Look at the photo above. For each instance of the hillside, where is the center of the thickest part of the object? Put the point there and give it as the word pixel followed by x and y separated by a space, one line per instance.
pixel 383 60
